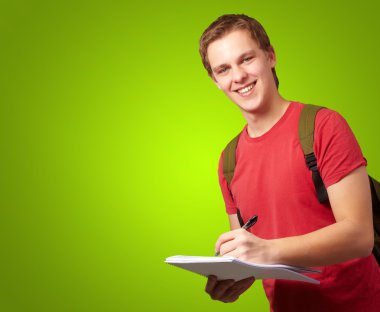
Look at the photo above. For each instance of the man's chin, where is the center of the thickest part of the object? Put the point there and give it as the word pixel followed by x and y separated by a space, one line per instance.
pixel 249 108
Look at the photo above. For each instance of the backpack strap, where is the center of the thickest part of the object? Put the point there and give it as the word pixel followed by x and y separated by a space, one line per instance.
pixel 306 138
pixel 375 193
pixel 229 163
pixel 229 159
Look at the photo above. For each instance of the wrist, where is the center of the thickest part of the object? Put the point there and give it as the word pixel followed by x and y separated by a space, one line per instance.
pixel 275 254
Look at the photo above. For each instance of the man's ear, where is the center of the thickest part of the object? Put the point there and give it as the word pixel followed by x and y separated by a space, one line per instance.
pixel 213 79
pixel 271 56
pixel 218 85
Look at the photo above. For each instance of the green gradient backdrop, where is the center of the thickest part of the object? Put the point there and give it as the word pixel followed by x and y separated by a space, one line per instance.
pixel 111 132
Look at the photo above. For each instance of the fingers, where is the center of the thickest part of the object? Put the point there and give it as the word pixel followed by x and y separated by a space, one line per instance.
pixel 217 289
pixel 227 248
pixel 228 242
pixel 225 237
pixel 227 290
pixel 238 288
pixel 246 283
pixel 211 282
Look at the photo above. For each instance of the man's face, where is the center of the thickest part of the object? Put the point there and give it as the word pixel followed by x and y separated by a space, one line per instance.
pixel 242 70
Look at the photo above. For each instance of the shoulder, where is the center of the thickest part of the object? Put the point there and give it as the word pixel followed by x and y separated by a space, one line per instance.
pixel 232 144
pixel 335 146
pixel 327 117
pixel 331 125
pixel 227 158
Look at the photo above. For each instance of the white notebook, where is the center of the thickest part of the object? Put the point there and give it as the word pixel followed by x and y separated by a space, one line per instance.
pixel 232 268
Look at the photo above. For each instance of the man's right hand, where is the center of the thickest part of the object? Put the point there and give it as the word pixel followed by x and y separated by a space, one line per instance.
pixel 227 290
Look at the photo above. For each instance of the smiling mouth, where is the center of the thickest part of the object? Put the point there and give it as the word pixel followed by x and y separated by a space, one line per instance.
pixel 246 90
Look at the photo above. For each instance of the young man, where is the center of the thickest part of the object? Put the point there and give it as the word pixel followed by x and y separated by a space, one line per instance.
pixel 271 180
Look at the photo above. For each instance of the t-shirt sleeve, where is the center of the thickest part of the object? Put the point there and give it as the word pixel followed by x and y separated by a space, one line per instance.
pixel 336 148
pixel 229 202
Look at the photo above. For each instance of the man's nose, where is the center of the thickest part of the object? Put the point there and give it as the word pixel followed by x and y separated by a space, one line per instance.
pixel 239 74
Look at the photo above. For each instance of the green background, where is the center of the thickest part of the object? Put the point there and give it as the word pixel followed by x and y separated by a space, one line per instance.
pixel 111 133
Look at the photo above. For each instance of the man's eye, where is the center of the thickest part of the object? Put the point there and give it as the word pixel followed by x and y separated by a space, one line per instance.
pixel 247 59
pixel 222 70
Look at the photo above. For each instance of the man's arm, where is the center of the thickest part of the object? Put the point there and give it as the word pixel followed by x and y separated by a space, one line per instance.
pixel 234 222
pixel 350 237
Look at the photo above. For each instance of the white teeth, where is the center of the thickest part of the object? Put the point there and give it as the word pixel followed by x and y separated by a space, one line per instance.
pixel 246 89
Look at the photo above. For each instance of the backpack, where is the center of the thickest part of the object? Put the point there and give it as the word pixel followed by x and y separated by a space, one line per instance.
pixel 306 138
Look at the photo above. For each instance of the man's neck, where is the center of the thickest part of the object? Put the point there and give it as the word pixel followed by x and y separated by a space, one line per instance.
pixel 260 122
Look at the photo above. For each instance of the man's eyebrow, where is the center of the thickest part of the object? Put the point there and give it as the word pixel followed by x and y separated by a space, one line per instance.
pixel 250 52
pixel 219 67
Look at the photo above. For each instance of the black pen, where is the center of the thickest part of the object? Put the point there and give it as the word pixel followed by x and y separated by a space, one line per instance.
pixel 246 226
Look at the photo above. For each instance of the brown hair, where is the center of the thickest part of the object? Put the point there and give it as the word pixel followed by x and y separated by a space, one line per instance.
pixel 228 23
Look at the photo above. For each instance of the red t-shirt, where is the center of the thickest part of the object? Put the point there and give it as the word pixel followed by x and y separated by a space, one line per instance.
pixel 271 180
